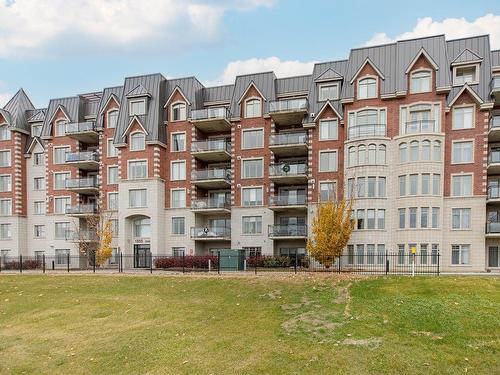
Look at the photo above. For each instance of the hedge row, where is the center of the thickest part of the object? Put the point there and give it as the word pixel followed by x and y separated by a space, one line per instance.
pixel 189 261
pixel 28 264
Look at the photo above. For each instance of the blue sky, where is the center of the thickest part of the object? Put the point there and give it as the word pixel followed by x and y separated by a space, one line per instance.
pixel 61 48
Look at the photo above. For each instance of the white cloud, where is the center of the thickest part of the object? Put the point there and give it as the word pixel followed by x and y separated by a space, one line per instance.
pixel 4 98
pixel 452 27
pixel 34 27
pixel 281 68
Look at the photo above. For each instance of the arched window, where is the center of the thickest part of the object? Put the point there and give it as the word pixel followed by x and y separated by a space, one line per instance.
pixel 420 81
pixel 60 128
pixel 142 227
pixel 112 119
pixel 436 152
pixel 403 153
pixel 253 108
pixel 372 154
pixel 367 88
pixel 382 154
pixel 352 156
pixel 361 155
pixel 426 150
pixel 413 150
pixel 4 133
pixel 137 141
pixel 179 112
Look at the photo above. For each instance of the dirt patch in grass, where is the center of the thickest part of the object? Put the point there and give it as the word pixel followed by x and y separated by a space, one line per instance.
pixel 431 335
pixel 371 343
pixel 312 322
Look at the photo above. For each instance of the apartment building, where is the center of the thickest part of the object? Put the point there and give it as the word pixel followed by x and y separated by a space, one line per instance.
pixel 410 130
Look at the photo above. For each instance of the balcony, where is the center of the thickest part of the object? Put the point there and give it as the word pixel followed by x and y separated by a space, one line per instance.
pixel 494 162
pixel 84 160
pixel 288 111
pixel 212 178
pixel 280 203
pixel 208 206
pixel 420 126
pixel 288 173
pixel 81 210
pixel 81 236
pixel 495 88
pixel 290 231
pixel 212 150
pixel 86 185
pixel 211 234
pixel 289 144
pixel 494 131
pixel 366 131
pixel 211 120
pixel 83 131
pixel 493 229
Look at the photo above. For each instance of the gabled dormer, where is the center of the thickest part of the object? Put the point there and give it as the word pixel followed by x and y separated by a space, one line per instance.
pixel 465 68
pixel 420 73
pixel 177 105
pixel 251 102
pixel 366 80
pixel 138 100
pixel 328 85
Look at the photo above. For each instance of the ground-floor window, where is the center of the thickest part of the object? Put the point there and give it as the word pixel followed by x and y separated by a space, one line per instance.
pixel 178 251
pixel 493 259
pixel 39 255
pixel 460 254
pixel 62 256
pixel 255 251
pixel 113 259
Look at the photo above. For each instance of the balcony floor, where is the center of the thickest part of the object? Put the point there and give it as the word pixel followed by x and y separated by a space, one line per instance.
pixel 211 211
pixel 289 208
pixel 494 134
pixel 291 117
pixel 289 180
pixel 494 168
pixel 299 149
pixel 87 165
pixel 212 156
pixel 84 190
pixel 212 184
pixel 213 125
pixel 89 137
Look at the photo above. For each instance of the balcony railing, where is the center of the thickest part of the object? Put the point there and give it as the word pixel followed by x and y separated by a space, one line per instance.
pixel 288 200
pixel 288 169
pixel 366 131
pixel 83 235
pixel 420 126
pixel 493 227
pixel 82 156
pixel 288 105
pixel 80 127
pixel 81 209
pixel 288 139
pixel 495 122
pixel 210 113
pixel 495 83
pixel 210 232
pixel 211 174
pixel 207 203
pixel 494 157
pixel 290 230
pixel 86 182
pixel 211 145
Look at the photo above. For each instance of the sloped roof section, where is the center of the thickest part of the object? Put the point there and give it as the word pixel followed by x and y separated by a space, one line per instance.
pixel 218 94
pixel 138 91
pixel 291 85
pixel 72 107
pixel 38 115
pixel 18 107
pixel 466 56
pixel 264 82
pixel 495 58
pixel 110 92
pixel 329 74
pixel 190 87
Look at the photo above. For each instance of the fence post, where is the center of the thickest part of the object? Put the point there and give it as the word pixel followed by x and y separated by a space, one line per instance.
pixel 121 262
pixel 68 261
pixel 93 261
pixel 151 263
pixel 386 263
pixel 184 262
pixel 340 263
pixel 21 263
pixel 43 262
pixel 218 262
pixel 438 256
pixel 255 264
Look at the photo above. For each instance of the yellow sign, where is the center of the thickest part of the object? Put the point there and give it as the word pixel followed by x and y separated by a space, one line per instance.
pixel 413 250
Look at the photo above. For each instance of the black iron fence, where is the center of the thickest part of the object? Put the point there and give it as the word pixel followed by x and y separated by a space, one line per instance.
pixel 387 263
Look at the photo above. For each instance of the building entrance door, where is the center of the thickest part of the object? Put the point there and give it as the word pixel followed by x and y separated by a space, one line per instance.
pixel 142 256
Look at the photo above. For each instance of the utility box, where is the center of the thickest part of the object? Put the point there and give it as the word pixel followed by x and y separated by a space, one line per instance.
pixel 230 259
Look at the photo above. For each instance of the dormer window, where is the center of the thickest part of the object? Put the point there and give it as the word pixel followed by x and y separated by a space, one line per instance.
pixel 328 91
pixel 367 88
pixel 112 119
pixel 137 107
pixel 60 128
pixel 420 81
pixel 179 112
pixel 253 108
pixel 465 74
pixel 36 130
pixel 137 141
pixel 4 133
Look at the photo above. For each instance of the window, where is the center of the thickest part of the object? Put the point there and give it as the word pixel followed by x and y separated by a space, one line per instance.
pixel 367 123
pixel 137 198
pixel 114 227
pixel 178 172
pixel 255 251
pixel 402 218
pixel 381 155
pixel 178 142
pixel 112 150
pixel 60 126
pixel 60 154
pixel 178 226
pixel 380 219
pixel 425 183
pixel 329 130
pixel 403 153
pixel 361 219
pixel 178 251
pixel 414 151
pixel 382 187
pixel 493 258
pixel 5 231
pixel 462 152
pixel 5 207
pixel 253 138
pixel 328 161
pixel 252 196
pixel 61 204
pixel 327 191
pixel 421 81
pixel 413 184
pixel 361 187
pixel 372 181
pixel 112 175
pixel 370 219
pixel 328 92
pixel 435 217
pixel 352 156
pixel 179 112
pixel 465 74
pixel 360 254
pixel 137 107
pixel 426 150
pixel 62 256
pixel 137 169
pixel 372 154
pixel 461 218
pixel 38 158
pixel 39 207
pixel 424 217
pixel 5 158
pixel 5 183
pixel 61 230
pixel 113 201
pixel 367 88
pixel 253 108
pixel 39 231
pixel 252 168
pixel 178 198
pixel 112 119
pixel 436 155
pixel 361 155
pixel 461 185
pixel 142 227
pixel 38 183
pixel 350 188
pixel 460 254
pixel 252 224
pixel 137 141
pixel 413 217
pixel 60 180
pixel 370 254
pixel 463 117
pixel 4 133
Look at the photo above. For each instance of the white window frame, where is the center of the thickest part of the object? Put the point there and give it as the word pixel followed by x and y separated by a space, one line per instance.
pixel 108 174
pixel 58 122
pixel 453 175
pixel 60 173
pixel 453 143
pixel 44 208
pixel 35 159
pixel 108 148
pixel 243 147
pixel 358 82
pixel 58 148
pixel 325 120
pixel 172 197
pixel 473 125
pixel 178 161
pixel 252 98
pixel 172 226
pixel 9 200
pixel 254 223
pixel 61 197
pixel 461 66
pixel 114 193
pixel 135 161
pixel 336 157
pixel 143 145
pixel 9 164
pixel 420 71
pixel 329 84
pixel 5 127
pixel 460 249
pixel 243 160
pixel 334 192
pixel 131 102
pixel 175 104
pixel 41 178
pixel 172 141
pixel 251 187
pixel 142 206
pixel 461 215
pixel 107 118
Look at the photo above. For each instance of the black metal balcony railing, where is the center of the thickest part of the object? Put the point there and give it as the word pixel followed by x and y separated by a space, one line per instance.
pixel 210 113
pixel 82 156
pixel 366 131
pixel 211 174
pixel 493 227
pixel 288 105
pixel 420 126
pixel 494 157
pixel 81 209
pixel 80 127
pixel 211 145
pixel 290 230
pixel 288 139
pixel 288 169
pixel 86 182
pixel 207 203
pixel 495 83
pixel 495 122
pixel 288 200
pixel 216 232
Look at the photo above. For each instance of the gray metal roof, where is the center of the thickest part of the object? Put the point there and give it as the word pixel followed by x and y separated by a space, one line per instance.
pixel 466 56
pixel 139 90
pixel 16 111
pixel 190 87
pixel 38 115
pixel 495 58
pixel 290 85
pixel 218 93
pixel 116 92
pixel 264 82
pixel 72 107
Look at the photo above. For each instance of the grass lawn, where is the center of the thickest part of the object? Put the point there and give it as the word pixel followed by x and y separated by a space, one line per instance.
pixel 58 324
